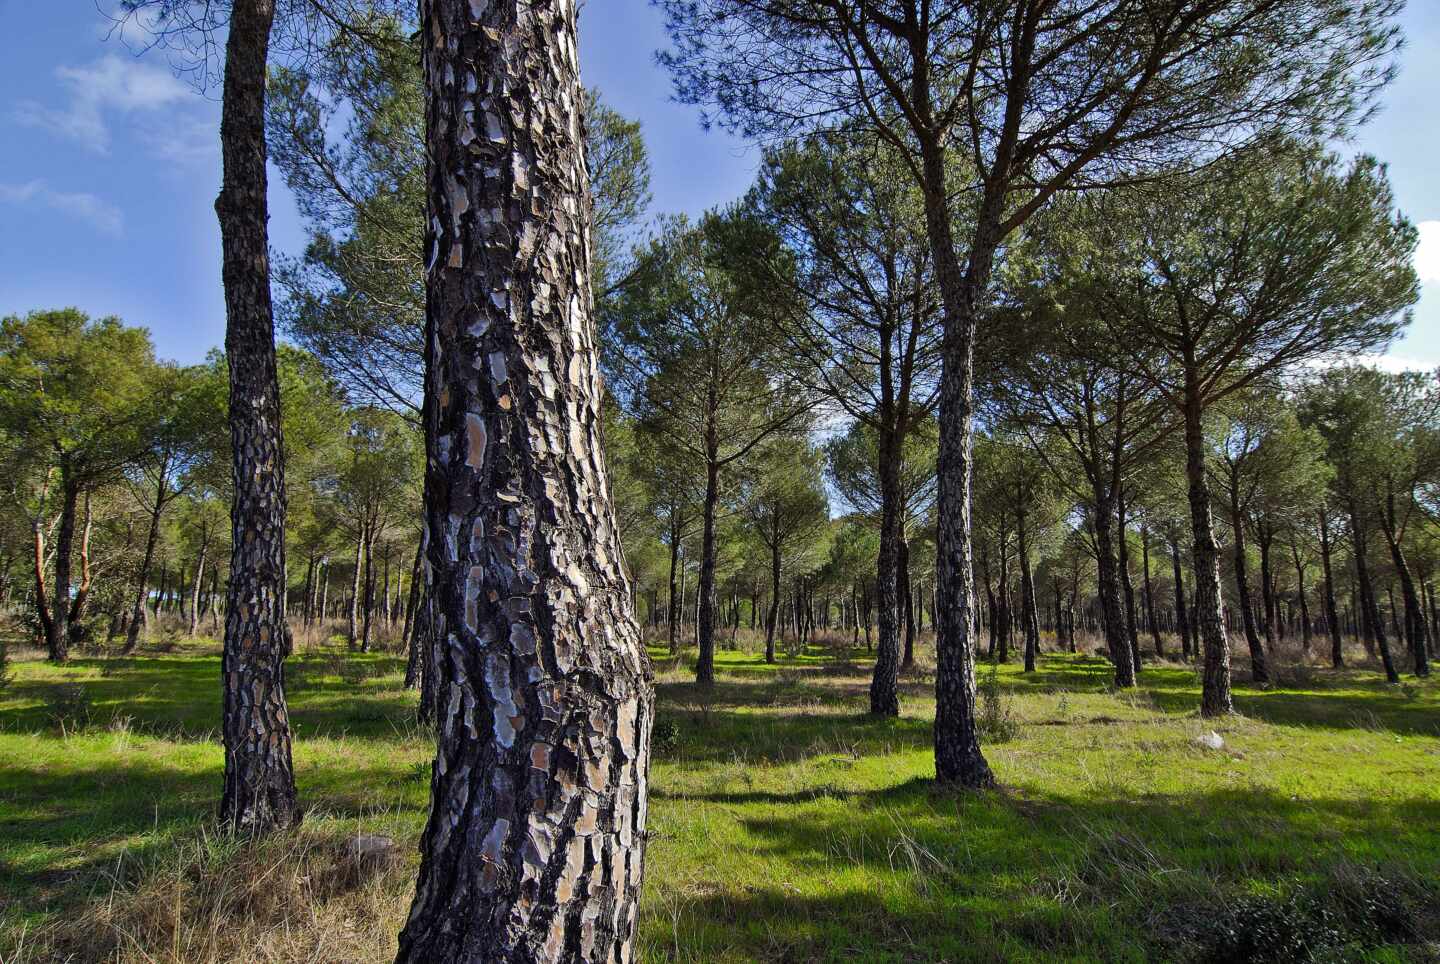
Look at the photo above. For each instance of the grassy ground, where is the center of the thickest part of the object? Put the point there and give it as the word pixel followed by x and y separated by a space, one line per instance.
pixel 786 824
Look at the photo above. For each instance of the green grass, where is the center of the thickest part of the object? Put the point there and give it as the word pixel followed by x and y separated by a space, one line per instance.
pixel 786 824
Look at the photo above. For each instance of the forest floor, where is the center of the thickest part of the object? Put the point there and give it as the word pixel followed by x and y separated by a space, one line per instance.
pixel 786 824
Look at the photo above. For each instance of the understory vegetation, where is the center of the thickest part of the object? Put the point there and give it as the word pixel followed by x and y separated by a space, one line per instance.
pixel 786 824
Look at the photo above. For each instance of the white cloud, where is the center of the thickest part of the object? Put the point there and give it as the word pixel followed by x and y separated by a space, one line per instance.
pixel 111 85
pixel 99 213
pixel 1427 255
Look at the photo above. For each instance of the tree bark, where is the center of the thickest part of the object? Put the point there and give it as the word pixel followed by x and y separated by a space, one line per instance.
pixel 1415 634
pixel 152 538
pixel 1182 619
pixel 1122 545
pixel 259 784
pixel 1332 617
pixel 958 759
pixel 1148 589
pixel 705 604
pixel 885 678
pixel 1215 698
pixel 1259 666
pixel 535 842
pixel 82 593
pixel 1304 603
pixel 774 602
pixel 1112 606
pixel 1369 610
pixel 58 642
pixel 354 629
pixel 1028 615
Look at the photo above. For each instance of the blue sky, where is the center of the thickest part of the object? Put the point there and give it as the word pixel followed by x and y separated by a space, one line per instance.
pixel 110 166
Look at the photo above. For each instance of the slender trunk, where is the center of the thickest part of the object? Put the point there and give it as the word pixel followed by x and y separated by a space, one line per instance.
pixel 259 784
pixel 42 592
pixel 1149 592
pixel 137 614
pixel 1215 699
pixel 1415 634
pixel 535 842
pixel 705 606
pixel 414 655
pixel 1370 611
pixel 1269 610
pixel 1259 666
pixel 774 602
pixel 885 678
pixel 992 624
pixel 354 627
pixel 199 581
pixel 59 638
pixel 1027 594
pixel 368 586
pixel 1182 618
pixel 675 591
pixel 1332 617
pixel 1122 544
pixel 1304 603
pixel 82 594
pixel 904 590
pixel 1112 605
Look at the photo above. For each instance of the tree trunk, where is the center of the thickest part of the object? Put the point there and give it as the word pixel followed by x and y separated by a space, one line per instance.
pixel 259 785
pixel 1369 610
pixel 675 591
pixel 904 590
pixel 58 642
pixel 958 759
pixel 1269 609
pixel 774 602
pixel 1182 618
pixel 1304 603
pixel 535 842
pixel 199 581
pixel 137 614
pixel 82 594
pixel 354 628
pixel 1259 666
pixel 885 678
pixel 1332 617
pixel 1122 544
pixel 1415 634
pixel 409 631
pixel 1027 595
pixel 42 594
pixel 705 604
pixel 1215 698
pixel 1149 592
pixel 1112 606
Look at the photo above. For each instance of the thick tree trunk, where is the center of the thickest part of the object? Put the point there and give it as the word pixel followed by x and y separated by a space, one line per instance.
pixel 705 604
pixel 1215 698
pixel 535 843
pixel 958 759
pixel 259 786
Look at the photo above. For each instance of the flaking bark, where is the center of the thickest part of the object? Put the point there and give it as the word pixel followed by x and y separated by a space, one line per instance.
pixel 535 843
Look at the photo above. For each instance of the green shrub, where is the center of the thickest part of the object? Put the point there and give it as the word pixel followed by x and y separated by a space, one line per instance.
pixel 997 723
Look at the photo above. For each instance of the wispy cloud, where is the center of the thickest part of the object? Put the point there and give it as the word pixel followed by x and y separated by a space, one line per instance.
pixel 111 86
pixel 96 211
pixel 1427 254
